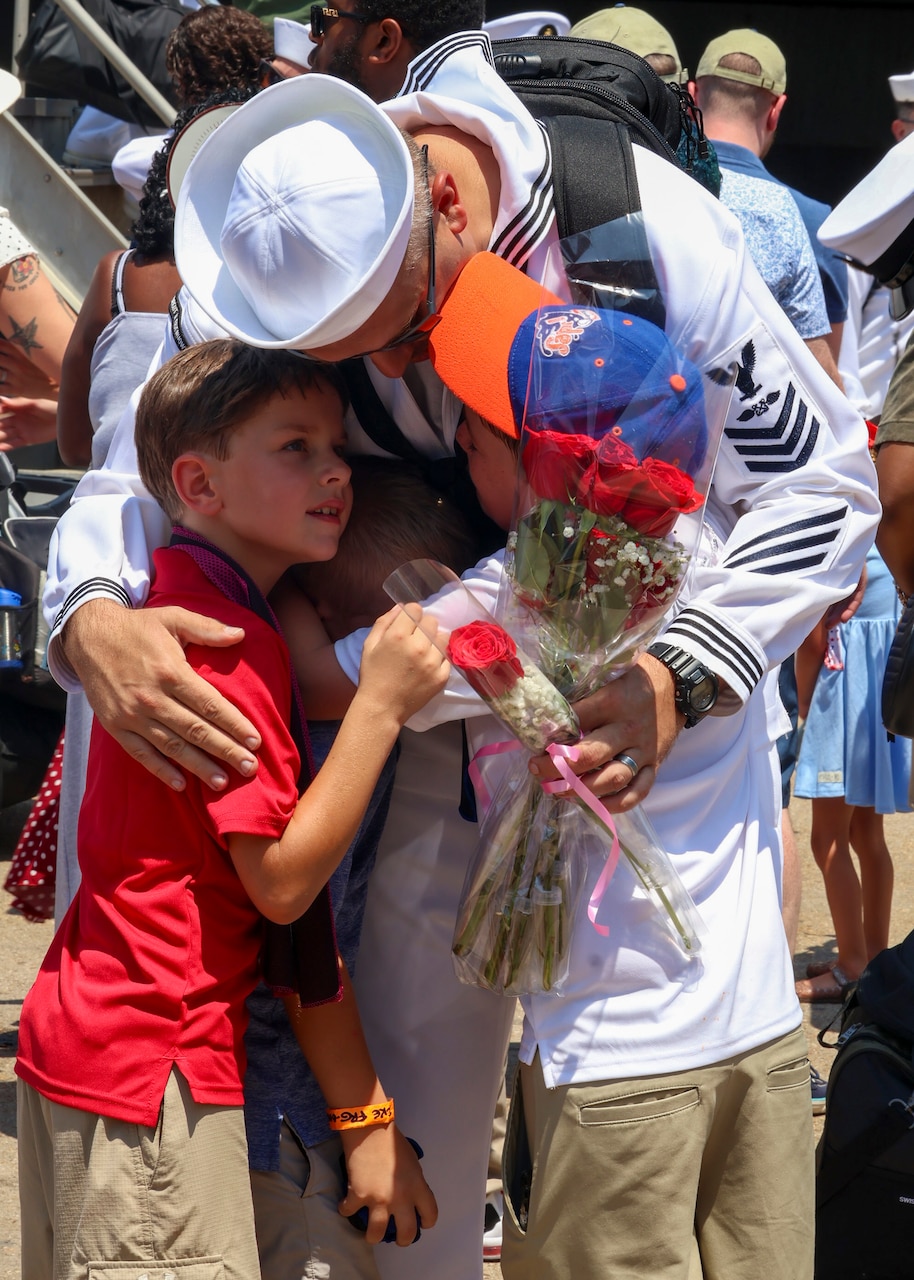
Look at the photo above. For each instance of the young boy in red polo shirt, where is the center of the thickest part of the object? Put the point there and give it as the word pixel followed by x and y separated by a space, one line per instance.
pixel 132 1150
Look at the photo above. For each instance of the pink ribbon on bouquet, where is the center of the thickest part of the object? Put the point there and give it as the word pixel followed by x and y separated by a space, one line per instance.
pixel 561 754
pixel 473 769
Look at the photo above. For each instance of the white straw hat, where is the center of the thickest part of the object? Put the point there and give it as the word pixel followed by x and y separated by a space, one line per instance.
pixel 294 216
pixel 292 40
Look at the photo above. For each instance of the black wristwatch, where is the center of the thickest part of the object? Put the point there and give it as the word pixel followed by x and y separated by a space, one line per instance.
pixel 696 686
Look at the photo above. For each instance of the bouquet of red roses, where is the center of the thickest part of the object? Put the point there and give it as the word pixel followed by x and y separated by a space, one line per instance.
pixel 618 439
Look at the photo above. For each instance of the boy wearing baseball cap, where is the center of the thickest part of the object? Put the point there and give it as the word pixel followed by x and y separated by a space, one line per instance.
pixel 674 1124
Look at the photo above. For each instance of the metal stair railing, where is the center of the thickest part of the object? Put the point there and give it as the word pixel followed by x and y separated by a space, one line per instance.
pixel 69 232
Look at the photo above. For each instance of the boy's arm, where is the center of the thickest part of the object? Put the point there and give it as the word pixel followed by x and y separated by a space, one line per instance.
pixel 383 1169
pixel 326 690
pixel 401 669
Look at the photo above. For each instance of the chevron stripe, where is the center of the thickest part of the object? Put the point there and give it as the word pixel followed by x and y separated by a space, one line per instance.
pixel 788 539
pixel 712 635
pixel 424 68
pixel 782 456
pixel 93 586
pixel 525 228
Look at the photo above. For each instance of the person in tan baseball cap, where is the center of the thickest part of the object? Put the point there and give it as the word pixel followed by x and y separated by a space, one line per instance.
pixel 636 30
pixel 748 57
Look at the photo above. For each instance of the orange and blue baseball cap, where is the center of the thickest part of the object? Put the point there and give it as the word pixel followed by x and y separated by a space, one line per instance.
pixel 522 358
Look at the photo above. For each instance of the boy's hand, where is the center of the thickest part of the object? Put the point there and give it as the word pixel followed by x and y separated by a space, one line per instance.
pixel 401 666
pixel 385 1176
pixel 132 667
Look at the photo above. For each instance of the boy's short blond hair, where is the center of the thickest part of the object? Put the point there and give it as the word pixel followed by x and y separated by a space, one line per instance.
pixel 204 394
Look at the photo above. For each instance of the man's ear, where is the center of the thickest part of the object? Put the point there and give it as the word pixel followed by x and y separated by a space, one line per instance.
pixel 774 111
pixel 446 200
pixel 388 39
pixel 194 476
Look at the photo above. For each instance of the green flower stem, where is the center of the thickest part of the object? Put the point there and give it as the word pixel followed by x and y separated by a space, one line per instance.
pixel 648 882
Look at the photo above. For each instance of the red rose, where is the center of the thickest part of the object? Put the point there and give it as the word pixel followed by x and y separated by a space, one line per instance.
pixel 650 498
pixel 555 463
pixel 487 657
pixel 604 486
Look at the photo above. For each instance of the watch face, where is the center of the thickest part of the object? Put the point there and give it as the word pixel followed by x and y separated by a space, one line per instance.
pixel 702 697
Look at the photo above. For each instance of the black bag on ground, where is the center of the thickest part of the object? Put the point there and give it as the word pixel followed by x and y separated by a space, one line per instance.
pixel 898 681
pixel 56 57
pixel 865 1177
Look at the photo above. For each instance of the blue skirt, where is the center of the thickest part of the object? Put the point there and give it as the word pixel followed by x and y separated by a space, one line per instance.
pixel 845 749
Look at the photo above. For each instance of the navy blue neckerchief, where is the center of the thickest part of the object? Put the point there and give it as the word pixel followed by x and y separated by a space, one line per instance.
pixel 300 957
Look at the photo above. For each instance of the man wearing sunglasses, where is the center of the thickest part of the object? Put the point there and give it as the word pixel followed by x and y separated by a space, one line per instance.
pixel 488 187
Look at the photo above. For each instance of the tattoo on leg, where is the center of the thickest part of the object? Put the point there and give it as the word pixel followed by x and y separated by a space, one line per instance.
pixel 24 335
pixel 23 270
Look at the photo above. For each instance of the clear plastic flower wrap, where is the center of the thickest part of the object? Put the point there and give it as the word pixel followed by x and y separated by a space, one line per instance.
pixel 522 890
pixel 618 437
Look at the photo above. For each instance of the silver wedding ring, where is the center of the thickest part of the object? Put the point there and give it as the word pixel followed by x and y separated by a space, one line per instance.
pixel 628 762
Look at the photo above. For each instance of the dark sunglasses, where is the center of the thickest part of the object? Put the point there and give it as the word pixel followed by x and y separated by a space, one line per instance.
pixel 426 317
pixel 322 17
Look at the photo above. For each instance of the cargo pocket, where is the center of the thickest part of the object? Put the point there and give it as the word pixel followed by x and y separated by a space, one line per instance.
pixel 208 1268
pixel 517 1171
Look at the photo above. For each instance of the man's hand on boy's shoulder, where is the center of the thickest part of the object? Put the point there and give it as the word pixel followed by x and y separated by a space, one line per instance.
pixel 634 717
pixel 132 667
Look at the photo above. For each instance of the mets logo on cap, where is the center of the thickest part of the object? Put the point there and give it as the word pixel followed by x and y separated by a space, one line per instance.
pixel 556 331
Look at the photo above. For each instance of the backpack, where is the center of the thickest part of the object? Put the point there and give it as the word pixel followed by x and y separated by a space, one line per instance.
pixel 865 1158
pixel 593 100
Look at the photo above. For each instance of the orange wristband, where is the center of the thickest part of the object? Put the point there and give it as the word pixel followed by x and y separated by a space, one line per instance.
pixel 361 1117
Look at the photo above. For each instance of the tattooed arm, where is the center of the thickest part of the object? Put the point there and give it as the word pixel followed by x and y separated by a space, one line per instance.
pixel 34 322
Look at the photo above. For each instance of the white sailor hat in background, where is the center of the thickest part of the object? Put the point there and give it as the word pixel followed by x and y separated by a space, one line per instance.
pixel 292 41
pixel 902 87
pixel 874 224
pixel 293 218
pixel 538 22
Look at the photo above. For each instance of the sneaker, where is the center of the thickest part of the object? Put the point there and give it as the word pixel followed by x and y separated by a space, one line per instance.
pixel 491 1239
pixel 818 1087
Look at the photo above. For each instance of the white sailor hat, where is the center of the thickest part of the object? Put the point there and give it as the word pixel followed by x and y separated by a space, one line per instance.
pixel 902 87
pixel 538 22
pixel 874 224
pixel 294 215
pixel 292 41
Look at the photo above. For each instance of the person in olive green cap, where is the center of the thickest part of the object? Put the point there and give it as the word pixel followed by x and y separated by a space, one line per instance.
pixel 635 30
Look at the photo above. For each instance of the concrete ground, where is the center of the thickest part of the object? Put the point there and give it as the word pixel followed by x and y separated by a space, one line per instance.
pixel 22 946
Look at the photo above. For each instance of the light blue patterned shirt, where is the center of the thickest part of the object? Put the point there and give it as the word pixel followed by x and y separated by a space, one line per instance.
pixel 780 247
